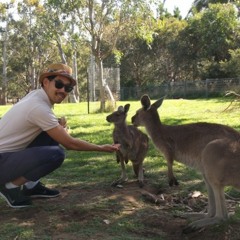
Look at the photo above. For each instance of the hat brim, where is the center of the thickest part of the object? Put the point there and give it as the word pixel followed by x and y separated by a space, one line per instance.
pixel 48 74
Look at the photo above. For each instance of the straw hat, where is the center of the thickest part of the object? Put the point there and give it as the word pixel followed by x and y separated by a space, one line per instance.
pixel 58 69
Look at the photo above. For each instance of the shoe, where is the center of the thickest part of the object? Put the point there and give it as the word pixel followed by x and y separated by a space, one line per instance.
pixel 15 197
pixel 40 191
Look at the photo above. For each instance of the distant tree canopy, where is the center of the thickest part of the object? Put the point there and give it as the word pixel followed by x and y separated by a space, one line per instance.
pixel 148 44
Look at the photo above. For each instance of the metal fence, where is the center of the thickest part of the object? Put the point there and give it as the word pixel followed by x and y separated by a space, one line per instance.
pixel 187 89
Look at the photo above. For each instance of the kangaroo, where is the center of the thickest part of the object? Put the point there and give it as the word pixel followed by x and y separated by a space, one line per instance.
pixel 221 167
pixel 134 144
pixel 190 144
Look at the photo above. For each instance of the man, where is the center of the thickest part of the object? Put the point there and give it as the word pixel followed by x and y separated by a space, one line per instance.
pixel 30 139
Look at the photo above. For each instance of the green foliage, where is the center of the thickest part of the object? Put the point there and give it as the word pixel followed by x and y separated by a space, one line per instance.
pixel 211 37
pixel 151 47
pixel 232 67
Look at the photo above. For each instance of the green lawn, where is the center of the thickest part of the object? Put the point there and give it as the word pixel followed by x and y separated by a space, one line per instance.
pixel 90 167
pixel 91 171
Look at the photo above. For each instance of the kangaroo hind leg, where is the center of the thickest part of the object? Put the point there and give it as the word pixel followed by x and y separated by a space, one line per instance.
pixel 138 170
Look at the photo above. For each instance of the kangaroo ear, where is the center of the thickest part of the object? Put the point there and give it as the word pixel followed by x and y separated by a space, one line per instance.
pixel 158 103
pixel 146 102
pixel 120 109
pixel 126 107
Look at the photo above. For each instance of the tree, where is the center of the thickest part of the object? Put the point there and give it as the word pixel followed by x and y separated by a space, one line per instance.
pixel 98 18
pixel 203 4
pixel 157 60
pixel 59 30
pixel 232 67
pixel 165 48
pixel 208 37
pixel 6 18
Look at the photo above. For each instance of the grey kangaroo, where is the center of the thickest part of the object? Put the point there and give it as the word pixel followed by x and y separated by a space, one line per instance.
pixel 134 144
pixel 192 144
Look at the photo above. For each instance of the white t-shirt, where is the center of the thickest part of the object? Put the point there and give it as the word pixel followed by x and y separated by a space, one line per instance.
pixel 25 121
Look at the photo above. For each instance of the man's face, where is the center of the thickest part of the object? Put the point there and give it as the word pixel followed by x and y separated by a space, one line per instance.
pixel 57 89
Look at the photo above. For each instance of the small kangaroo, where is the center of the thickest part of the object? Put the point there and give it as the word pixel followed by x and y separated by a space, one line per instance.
pixel 134 144
pixel 190 144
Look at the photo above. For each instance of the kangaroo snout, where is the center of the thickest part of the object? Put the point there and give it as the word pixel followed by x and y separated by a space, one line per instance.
pixel 108 118
pixel 133 119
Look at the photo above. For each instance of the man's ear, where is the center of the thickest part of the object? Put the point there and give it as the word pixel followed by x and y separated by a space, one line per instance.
pixel 45 82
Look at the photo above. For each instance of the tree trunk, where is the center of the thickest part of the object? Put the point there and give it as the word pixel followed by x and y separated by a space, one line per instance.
pixel 72 98
pixel 4 73
pixel 101 84
pixel 76 90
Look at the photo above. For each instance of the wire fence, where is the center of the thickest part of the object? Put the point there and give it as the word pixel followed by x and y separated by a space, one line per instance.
pixel 188 89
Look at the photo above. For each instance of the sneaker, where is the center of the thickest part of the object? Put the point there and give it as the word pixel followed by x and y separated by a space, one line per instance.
pixel 40 191
pixel 15 197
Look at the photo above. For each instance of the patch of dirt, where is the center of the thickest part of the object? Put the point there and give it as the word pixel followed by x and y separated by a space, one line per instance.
pixel 55 218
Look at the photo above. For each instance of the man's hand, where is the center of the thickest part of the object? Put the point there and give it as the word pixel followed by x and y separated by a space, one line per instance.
pixel 110 148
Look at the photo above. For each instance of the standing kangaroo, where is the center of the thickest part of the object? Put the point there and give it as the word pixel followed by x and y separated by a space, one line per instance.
pixel 134 144
pixel 191 144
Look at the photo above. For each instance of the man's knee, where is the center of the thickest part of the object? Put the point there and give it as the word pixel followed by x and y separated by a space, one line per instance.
pixel 60 155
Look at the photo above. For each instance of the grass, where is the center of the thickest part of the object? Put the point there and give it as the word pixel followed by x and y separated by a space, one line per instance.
pixel 91 167
pixel 91 171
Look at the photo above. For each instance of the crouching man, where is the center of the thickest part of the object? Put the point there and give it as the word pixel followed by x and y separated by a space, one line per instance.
pixel 30 139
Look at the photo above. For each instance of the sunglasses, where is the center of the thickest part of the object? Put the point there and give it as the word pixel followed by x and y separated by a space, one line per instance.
pixel 59 85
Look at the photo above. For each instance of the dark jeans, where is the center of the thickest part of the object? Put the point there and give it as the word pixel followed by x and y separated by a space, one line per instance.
pixel 40 158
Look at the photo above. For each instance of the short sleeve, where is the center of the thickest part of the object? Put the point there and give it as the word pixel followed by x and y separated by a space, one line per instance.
pixel 42 117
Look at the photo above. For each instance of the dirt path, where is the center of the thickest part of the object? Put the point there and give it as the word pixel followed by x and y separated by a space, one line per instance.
pixel 108 208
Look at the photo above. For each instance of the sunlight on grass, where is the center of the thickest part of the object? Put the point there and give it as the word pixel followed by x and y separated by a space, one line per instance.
pixel 93 127
pixel 95 170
